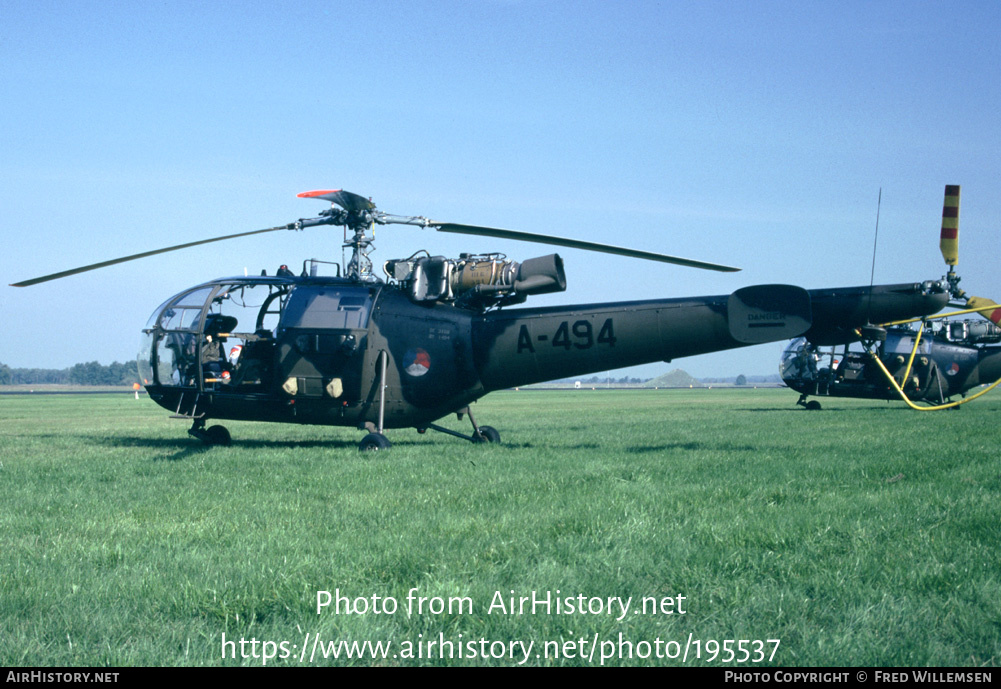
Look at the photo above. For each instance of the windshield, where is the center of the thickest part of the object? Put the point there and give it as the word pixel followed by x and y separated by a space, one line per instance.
pixel 213 335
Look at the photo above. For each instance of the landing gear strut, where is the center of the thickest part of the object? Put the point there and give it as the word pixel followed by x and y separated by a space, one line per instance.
pixel 481 434
pixel 812 405
pixel 375 440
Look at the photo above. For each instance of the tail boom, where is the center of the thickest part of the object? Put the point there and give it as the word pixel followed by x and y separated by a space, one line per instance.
pixel 517 347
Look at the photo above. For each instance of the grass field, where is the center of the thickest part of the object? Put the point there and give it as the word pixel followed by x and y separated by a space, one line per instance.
pixel 863 535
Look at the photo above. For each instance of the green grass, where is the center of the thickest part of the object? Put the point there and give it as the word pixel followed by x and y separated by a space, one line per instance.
pixel 865 534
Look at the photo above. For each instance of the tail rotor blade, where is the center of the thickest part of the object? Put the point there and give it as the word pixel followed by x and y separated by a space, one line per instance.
pixel 993 315
pixel 949 242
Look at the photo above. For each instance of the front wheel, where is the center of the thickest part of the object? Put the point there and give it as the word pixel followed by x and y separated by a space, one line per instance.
pixel 374 442
pixel 216 435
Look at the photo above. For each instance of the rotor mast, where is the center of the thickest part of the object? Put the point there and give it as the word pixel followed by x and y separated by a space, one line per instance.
pixel 361 244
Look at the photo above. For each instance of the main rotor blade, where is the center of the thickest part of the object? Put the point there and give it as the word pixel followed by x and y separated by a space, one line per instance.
pixel 345 199
pixel 576 244
pixel 123 259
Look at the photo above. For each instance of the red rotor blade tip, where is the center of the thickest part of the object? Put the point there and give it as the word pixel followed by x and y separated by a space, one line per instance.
pixel 314 194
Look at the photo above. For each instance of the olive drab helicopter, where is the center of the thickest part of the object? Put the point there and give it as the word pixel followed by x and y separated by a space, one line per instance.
pixel 438 333
pixel 922 361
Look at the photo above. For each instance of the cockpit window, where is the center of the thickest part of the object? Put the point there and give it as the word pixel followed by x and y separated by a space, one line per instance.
pixel 195 298
pixel 176 318
pixel 328 307
pixel 218 336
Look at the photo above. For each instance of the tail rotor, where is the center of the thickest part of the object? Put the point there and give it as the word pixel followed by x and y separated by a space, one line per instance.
pixel 949 245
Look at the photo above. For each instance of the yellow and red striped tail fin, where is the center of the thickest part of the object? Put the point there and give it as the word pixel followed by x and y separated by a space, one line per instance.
pixel 949 243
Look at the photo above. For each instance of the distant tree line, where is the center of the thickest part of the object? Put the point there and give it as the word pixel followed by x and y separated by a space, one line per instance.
pixel 622 380
pixel 745 380
pixel 91 373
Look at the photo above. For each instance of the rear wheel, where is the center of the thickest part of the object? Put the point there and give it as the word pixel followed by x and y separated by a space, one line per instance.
pixel 487 434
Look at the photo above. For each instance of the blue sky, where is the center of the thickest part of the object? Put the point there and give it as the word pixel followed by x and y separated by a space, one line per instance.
pixel 752 134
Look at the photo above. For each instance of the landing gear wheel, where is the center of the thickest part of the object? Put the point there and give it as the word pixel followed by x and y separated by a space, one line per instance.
pixel 813 405
pixel 488 434
pixel 216 435
pixel 373 442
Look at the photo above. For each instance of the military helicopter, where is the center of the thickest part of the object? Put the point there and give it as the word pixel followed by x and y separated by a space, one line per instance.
pixel 925 366
pixel 438 333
